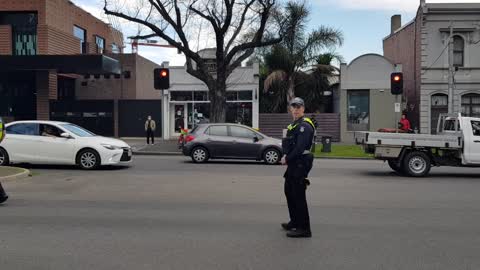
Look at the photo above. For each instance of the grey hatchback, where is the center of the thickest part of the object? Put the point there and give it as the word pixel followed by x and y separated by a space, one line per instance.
pixel 231 141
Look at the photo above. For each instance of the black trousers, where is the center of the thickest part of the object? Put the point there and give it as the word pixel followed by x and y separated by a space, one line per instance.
pixel 295 192
pixel 3 194
pixel 150 135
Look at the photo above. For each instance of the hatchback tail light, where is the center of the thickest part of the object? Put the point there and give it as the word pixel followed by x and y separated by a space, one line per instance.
pixel 189 138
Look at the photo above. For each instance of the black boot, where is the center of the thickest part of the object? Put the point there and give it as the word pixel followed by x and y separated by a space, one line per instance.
pixel 288 226
pixel 299 233
pixel 3 195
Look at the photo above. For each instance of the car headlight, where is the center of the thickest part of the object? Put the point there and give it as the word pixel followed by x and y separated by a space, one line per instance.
pixel 111 147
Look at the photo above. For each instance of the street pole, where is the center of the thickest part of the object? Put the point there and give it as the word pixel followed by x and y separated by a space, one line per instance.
pixel 193 109
pixel 450 71
pixel 395 110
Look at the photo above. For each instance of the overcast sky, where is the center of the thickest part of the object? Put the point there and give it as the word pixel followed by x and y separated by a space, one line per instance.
pixel 364 24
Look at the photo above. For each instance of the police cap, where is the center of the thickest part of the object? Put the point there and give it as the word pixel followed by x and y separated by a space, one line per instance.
pixel 297 102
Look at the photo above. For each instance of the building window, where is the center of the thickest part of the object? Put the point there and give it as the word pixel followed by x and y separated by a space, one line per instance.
pixel 239 95
pixel 471 105
pixel 100 44
pixel 439 106
pixel 24 31
pixel 115 48
pixel 81 34
pixel 458 51
pixel 189 95
pixel 358 110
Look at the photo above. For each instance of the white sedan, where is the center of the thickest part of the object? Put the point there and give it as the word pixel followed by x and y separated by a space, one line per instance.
pixel 60 143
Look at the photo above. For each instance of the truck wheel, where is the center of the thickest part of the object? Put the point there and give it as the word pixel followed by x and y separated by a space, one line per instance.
pixel 394 165
pixel 417 164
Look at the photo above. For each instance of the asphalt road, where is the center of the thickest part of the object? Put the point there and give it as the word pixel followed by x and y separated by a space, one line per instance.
pixel 167 213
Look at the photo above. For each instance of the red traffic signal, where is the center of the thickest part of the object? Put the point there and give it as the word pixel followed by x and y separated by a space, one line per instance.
pixel 396 81
pixel 161 78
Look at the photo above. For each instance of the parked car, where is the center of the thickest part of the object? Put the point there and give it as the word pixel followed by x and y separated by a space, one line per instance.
pixel 60 143
pixel 231 141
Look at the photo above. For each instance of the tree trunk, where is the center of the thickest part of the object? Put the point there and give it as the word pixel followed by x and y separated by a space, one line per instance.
pixel 290 90
pixel 218 103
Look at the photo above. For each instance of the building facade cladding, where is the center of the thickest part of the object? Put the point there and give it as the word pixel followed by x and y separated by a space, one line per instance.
pixel 54 36
pixel 135 84
pixel 5 43
pixel 429 32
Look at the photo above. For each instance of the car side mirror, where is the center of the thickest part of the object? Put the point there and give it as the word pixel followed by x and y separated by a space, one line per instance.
pixel 256 139
pixel 66 135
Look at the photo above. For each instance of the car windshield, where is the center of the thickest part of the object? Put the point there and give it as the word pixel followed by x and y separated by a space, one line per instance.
pixel 81 132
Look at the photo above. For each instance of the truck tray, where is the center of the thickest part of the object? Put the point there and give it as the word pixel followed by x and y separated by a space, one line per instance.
pixel 453 141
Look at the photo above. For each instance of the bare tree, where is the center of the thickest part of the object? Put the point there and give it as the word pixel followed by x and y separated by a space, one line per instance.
pixel 239 27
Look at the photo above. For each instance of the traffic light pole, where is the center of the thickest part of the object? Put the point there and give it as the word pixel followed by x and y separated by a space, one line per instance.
pixel 394 109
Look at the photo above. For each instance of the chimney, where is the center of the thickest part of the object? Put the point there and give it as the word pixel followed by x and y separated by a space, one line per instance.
pixel 396 23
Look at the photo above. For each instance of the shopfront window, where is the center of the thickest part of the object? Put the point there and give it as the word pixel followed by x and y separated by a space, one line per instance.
pixel 188 95
pixel 198 113
pixel 239 113
pixel 358 116
pixel 239 95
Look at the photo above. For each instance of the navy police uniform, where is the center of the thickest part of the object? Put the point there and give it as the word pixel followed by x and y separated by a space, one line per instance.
pixel 296 147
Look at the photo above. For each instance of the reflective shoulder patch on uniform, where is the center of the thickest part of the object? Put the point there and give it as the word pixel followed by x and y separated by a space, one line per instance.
pixel 302 129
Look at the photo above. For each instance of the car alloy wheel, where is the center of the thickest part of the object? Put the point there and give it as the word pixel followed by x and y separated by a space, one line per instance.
pixel 3 157
pixel 88 160
pixel 272 156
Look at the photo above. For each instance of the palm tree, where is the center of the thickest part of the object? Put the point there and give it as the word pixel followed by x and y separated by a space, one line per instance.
pixel 318 81
pixel 298 50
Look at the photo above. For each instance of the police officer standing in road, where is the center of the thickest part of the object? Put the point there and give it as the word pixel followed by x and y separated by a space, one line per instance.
pixel 299 161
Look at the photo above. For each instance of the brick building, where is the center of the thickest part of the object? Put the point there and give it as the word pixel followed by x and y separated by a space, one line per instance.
pixel 421 46
pixel 44 45
pixel 64 64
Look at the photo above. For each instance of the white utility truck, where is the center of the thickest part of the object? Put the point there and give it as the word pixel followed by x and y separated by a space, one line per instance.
pixel 457 143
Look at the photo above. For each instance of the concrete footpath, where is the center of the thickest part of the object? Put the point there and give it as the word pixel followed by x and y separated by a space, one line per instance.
pixel 13 173
pixel 161 147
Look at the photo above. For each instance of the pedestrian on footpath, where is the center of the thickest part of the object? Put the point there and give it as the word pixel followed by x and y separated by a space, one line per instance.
pixel 150 129
pixel 299 160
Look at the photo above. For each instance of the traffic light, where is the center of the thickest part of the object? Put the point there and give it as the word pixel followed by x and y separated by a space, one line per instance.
pixel 161 78
pixel 396 80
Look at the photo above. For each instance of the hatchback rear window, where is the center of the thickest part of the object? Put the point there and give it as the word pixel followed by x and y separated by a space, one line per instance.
pixel 194 130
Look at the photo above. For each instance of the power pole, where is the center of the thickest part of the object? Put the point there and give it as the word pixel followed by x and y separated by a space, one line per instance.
pixel 450 71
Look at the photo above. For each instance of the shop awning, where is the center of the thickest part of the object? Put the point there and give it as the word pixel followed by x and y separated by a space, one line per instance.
pixel 77 64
